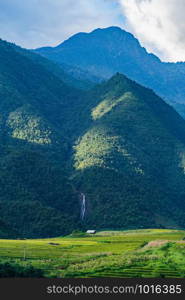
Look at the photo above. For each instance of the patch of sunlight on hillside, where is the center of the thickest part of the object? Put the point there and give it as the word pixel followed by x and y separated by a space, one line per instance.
pixel 108 104
pixel 94 146
pixel 99 148
pixel 32 137
pixel 23 124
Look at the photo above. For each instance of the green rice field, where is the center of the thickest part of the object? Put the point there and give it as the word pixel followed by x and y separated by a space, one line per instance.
pixel 134 253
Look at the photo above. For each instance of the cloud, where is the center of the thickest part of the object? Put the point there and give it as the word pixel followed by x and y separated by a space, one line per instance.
pixel 36 23
pixel 159 25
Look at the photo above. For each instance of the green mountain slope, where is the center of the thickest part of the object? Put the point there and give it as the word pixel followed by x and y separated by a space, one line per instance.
pixel 118 147
pixel 70 75
pixel 36 197
pixel 130 161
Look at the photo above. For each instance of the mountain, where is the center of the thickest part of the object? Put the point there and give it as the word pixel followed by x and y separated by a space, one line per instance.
pixel 36 197
pixel 104 52
pixel 70 75
pixel 110 157
pixel 129 162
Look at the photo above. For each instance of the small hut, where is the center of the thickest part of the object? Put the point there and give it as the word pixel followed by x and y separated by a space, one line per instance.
pixel 91 231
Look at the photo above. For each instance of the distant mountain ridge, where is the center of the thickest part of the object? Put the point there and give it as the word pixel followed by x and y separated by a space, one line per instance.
pixel 103 52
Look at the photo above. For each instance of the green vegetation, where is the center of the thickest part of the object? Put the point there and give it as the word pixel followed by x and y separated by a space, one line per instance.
pixel 34 185
pixel 11 269
pixel 133 149
pixel 119 144
pixel 138 253
pixel 6 231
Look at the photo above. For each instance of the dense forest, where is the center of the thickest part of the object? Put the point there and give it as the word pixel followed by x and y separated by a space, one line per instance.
pixel 118 143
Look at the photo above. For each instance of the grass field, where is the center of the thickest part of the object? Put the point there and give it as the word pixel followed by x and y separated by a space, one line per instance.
pixel 136 253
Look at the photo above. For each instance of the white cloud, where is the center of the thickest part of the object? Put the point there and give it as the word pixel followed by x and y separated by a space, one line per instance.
pixel 159 25
pixel 36 23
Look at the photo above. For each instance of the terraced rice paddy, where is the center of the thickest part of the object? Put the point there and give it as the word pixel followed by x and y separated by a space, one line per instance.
pixel 137 253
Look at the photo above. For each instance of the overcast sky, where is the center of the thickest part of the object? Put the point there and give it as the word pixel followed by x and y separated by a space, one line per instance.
pixel 158 24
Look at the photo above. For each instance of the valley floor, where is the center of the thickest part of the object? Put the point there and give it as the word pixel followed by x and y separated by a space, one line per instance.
pixel 134 253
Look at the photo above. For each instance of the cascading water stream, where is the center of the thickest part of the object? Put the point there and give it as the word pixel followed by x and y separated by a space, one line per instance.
pixel 83 206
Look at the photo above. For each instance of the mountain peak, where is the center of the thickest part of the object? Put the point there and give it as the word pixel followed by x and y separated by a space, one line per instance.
pixel 102 32
pixel 110 29
pixel 119 76
pixel 105 51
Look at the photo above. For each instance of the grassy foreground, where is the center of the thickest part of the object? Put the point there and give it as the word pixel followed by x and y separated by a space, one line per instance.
pixel 135 253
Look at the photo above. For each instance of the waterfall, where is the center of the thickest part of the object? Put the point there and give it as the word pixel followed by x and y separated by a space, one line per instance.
pixel 83 206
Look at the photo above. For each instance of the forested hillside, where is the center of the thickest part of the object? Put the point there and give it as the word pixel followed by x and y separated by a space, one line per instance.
pixel 118 146
pixel 36 198
pixel 130 160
